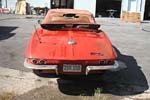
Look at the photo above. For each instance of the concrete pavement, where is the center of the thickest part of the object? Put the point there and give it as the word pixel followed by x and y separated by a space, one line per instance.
pixel 131 41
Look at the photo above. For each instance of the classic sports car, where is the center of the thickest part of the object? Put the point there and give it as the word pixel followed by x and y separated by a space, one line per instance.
pixel 69 42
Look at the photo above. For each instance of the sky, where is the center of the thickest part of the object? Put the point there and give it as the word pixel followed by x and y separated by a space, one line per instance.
pixel 36 3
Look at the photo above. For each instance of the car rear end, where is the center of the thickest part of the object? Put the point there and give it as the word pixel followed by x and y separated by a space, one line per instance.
pixel 71 67
pixel 71 51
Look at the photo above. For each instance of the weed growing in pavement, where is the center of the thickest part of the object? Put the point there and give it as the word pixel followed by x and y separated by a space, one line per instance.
pixel 97 96
pixel 7 96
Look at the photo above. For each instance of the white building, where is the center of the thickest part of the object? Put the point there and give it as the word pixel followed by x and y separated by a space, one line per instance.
pixel 101 7
pixel 36 3
pixel 97 7
pixel 8 4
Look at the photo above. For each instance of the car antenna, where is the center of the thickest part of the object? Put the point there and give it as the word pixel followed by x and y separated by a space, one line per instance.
pixel 37 34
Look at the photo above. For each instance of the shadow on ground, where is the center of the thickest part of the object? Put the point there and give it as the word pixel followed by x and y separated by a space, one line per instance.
pixel 5 32
pixel 128 81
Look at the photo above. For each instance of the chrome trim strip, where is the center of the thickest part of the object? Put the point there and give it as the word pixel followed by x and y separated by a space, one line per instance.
pixel 102 67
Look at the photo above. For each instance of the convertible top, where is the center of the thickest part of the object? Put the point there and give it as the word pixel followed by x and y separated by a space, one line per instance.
pixel 68 16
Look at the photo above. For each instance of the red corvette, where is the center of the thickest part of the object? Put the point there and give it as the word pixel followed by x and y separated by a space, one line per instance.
pixel 69 42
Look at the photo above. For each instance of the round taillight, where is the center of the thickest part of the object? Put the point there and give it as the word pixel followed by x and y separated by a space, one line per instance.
pixel 110 62
pixel 102 62
pixel 42 62
pixel 35 61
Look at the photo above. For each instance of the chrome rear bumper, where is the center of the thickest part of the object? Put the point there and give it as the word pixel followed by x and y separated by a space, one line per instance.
pixel 102 67
pixel 40 67
pixel 55 67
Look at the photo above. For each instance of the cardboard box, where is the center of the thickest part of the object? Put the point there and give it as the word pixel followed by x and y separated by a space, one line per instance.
pixel 130 16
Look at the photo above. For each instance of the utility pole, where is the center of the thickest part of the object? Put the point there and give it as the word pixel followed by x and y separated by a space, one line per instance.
pixel 6 3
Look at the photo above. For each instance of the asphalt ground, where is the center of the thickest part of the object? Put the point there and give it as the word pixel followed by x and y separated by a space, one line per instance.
pixel 14 36
pixel 131 41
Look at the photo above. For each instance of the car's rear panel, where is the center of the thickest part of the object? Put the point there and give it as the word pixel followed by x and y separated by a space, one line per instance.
pixel 55 45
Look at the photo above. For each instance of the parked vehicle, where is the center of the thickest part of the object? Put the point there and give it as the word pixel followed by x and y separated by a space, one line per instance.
pixel 69 42
pixel 4 10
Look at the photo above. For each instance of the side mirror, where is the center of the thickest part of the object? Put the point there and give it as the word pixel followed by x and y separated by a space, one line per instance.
pixel 39 21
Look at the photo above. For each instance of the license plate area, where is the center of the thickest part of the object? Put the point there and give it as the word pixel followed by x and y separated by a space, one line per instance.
pixel 72 67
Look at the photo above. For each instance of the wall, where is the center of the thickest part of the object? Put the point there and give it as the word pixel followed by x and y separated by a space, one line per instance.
pixel 86 5
pixel 39 3
pixel 142 8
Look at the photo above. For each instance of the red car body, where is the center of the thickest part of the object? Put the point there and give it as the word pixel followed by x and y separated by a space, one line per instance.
pixel 70 42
